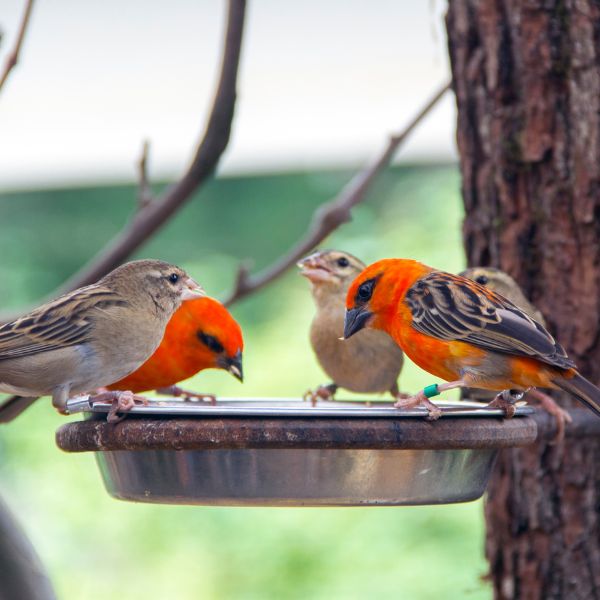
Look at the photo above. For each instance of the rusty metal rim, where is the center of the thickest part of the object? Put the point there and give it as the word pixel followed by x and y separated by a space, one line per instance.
pixel 228 433
pixel 584 424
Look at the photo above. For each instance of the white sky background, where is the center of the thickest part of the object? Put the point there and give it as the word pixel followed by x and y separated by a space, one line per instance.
pixel 322 83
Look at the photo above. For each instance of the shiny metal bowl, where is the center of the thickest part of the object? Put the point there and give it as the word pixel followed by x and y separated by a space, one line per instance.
pixel 284 452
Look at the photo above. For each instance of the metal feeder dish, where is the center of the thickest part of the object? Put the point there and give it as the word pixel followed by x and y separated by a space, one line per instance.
pixel 285 452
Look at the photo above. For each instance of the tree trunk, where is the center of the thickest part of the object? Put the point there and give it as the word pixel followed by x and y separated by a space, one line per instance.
pixel 527 83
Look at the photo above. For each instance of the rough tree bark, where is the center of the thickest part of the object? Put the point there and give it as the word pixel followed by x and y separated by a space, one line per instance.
pixel 527 83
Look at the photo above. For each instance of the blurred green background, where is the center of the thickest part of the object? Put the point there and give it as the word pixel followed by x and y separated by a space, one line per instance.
pixel 95 547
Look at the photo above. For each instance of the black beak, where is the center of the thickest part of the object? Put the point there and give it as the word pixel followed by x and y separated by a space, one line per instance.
pixel 234 366
pixel 356 319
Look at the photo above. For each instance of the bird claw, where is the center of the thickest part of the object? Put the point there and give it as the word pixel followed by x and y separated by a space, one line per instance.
pixel 188 396
pixel 419 399
pixel 323 392
pixel 505 401
pixel 122 402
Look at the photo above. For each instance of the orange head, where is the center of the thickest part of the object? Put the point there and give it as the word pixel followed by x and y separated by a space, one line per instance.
pixel 214 335
pixel 200 335
pixel 373 297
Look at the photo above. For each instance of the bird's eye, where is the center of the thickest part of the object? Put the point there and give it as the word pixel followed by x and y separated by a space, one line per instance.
pixel 365 291
pixel 173 277
pixel 343 262
pixel 482 279
pixel 211 342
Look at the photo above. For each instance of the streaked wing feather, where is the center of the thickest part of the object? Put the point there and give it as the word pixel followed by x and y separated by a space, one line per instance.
pixel 450 307
pixel 66 321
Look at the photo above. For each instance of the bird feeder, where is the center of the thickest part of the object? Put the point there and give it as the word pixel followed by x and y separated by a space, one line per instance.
pixel 285 452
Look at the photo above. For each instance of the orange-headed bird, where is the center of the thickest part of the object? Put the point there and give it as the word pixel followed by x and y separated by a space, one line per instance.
pixel 200 335
pixel 462 332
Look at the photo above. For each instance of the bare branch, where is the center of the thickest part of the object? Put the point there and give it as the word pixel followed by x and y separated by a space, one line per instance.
pixel 144 192
pixel 329 216
pixel 13 56
pixel 214 141
pixel 242 277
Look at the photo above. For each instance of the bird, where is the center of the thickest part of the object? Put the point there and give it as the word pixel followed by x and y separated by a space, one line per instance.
pixel 369 363
pixel 503 284
pixel 201 334
pixel 462 332
pixel 92 336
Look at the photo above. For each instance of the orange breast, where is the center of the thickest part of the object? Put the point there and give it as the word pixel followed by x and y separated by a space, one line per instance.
pixel 441 358
pixel 444 359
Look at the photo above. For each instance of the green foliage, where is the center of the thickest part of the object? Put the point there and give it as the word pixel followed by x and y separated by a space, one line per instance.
pixel 96 547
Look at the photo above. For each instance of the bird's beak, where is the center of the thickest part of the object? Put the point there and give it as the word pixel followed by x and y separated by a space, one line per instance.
pixel 314 268
pixel 356 319
pixel 234 366
pixel 192 290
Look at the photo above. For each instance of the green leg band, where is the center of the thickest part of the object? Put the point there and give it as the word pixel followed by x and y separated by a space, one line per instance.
pixel 431 390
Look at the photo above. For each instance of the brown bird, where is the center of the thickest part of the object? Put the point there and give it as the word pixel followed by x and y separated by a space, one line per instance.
pixel 502 283
pixel 92 336
pixel 368 363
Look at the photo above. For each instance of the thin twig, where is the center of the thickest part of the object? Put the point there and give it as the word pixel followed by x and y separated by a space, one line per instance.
pixel 214 141
pixel 212 146
pixel 144 191
pixel 328 217
pixel 13 57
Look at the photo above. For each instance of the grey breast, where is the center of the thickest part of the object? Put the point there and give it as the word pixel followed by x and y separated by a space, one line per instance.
pixel 369 361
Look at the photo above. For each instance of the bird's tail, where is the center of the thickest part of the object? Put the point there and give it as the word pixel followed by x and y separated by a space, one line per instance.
pixel 582 389
pixel 10 409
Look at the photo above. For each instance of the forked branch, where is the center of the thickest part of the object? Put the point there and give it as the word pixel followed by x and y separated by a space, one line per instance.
pixel 214 141
pixel 153 215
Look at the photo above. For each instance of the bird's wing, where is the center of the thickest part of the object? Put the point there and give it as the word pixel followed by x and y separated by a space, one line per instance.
pixel 451 307
pixel 66 321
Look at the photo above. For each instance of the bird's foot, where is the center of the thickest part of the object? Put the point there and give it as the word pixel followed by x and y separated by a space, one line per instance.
pixel 420 399
pixel 561 416
pixel 122 402
pixel 323 392
pixel 505 401
pixel 177 392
